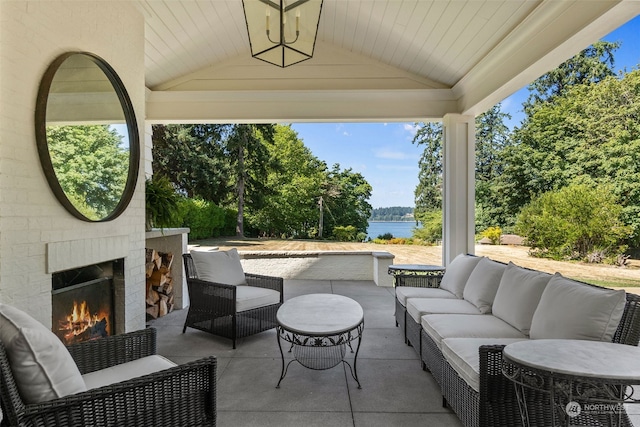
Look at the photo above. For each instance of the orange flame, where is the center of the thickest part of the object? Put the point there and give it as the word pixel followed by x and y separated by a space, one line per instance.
pixel 79 321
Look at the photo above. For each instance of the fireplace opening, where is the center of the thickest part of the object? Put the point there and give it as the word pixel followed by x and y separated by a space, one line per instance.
pixel 83 302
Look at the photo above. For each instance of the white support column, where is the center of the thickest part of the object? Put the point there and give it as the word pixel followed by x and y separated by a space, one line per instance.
pixel 458 225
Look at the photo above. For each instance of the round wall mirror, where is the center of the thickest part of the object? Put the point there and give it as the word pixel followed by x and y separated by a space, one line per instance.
pixel 87 136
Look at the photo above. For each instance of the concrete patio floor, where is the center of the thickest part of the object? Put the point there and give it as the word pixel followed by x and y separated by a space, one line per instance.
pixel 395 390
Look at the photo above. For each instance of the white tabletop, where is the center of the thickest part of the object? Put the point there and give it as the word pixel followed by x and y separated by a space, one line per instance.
pixel 593 359
pixel 320 314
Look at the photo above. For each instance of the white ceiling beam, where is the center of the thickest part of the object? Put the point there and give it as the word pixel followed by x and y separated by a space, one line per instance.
pixel 297 106
pixel 554 32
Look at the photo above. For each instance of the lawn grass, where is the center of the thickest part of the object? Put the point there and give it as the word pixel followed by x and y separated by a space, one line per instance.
pixel 611 283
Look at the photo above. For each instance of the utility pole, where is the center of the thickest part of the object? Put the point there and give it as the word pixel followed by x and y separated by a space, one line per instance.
pixel 321 217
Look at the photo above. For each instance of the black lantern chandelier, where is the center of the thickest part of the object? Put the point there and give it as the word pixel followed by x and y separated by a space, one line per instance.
pixel 282 32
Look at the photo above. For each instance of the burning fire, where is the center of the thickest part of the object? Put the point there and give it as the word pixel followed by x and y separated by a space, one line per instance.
pixel 81 325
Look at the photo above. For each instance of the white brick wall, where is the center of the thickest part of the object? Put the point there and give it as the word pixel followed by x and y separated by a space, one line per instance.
pixel 33 225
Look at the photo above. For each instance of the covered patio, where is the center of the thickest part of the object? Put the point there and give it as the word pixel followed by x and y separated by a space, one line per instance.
pixel 395 390
pixel 189 61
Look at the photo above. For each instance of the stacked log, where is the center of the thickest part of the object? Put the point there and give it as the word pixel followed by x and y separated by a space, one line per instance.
pixel 159 297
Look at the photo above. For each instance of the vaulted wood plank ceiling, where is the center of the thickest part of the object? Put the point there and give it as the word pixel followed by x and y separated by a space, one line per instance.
pixel 374 59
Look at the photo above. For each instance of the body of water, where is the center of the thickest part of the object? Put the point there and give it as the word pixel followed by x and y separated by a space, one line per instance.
pixel 397 228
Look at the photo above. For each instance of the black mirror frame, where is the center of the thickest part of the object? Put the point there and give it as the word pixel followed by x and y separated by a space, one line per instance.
pixel 132 129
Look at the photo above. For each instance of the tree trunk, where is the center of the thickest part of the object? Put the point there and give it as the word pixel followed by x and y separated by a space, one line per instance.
pixel 240 185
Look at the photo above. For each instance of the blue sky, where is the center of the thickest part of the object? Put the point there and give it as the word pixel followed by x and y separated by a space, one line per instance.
pixel 383 152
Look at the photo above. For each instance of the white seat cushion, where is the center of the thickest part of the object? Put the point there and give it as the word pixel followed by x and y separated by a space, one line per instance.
pixel 463 354
pixel 573 310
pixel 405 292
pixel 441 326
pixel 483 283
pixel 219 266
pixel 126 371
pixel 458 272
pixel 518 296
pixel 418 307
pixel 250 297
pixel 41 364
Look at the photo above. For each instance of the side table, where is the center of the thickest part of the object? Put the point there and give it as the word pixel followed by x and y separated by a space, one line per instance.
pixel 319 327
pixel 416 275
pixel 584 382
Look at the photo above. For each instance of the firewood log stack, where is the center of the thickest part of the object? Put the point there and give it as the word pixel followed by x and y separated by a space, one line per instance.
pixel 159 297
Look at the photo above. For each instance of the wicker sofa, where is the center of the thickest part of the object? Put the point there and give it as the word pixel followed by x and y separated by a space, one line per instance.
pixel 460 327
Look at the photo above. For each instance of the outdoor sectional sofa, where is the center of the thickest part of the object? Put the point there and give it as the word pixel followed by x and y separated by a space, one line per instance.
pixel 460 324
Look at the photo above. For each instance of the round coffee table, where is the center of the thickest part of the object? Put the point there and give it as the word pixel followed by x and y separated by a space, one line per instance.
pixel 319 327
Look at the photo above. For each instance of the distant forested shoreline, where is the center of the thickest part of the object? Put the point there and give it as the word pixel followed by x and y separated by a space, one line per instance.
pixel 394 213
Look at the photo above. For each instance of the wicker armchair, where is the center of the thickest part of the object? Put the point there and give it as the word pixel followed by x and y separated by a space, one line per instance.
pixel 184 395
pixel 212 306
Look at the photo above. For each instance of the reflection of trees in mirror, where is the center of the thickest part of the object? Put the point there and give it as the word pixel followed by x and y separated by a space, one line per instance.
pixel 91 164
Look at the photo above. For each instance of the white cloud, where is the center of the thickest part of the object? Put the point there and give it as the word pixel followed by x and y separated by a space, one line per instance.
pixel 385 153
pixel 411 128
pixel 397 167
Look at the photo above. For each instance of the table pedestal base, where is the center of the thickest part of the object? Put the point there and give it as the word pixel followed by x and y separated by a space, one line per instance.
pixel 320 352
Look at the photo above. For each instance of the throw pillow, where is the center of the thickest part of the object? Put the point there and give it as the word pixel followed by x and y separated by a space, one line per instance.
pixel 518 296
pixel 41 364
pixel 457 273
pixel 219 266
pixel 573 310
pixel 483 283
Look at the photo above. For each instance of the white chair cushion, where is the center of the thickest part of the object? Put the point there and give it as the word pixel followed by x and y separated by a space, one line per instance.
pixel 483 283
pixel 441 326
pixel 41 364
pixel 126 371
pixel 571 310
pixel 250 297
pixel 418 307
pixel 518 296
pixel 219 266
pixel 463 354
pixel 405 292
pixel 458 272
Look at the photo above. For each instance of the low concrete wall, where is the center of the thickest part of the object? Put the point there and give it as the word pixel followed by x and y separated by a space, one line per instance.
pixel 320 265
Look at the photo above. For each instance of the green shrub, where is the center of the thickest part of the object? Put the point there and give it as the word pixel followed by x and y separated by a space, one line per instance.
pixel 204 218
pixel 573 222
pixel 431 230
pixel 345 233
pixel 385 236
pixel 361 237
pixel 493 234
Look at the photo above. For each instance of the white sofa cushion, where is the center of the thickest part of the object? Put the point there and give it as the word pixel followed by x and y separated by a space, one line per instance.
pixel 463 355
pixel 483 283
pixel 458 272
pixel 441 326
pixel 250 297
pixel 219 266
pixel 418 307
pixel 41 364
pixel 571 310
pixel 126 371
pixel 518 296
pixel 405 292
